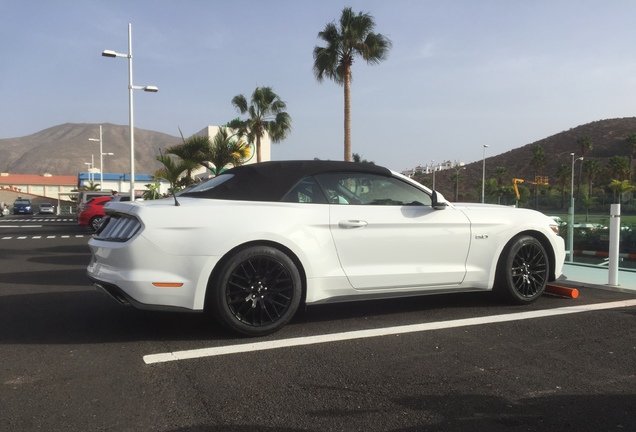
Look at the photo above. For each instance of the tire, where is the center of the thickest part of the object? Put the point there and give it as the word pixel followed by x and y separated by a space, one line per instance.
pixel 522 271
pixel 96 222
pixel 256 292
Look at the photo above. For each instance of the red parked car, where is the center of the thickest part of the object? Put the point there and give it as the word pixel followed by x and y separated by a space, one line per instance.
pixel 92 213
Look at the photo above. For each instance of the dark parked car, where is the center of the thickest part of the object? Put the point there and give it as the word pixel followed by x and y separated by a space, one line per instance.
pixel 22 206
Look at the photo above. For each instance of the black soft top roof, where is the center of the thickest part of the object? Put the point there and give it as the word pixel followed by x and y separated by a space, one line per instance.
pixel 271 181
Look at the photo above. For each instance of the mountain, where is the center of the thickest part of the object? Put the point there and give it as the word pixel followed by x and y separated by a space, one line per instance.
pixel 608 139
pixel 64 150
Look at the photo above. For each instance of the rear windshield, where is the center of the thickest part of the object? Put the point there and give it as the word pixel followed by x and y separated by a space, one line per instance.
pixel 206 184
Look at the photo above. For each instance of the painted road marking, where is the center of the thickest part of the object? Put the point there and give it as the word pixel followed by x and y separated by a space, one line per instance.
pixel 39 220
pixel 40 237
pixel 21 226
pixel 361 334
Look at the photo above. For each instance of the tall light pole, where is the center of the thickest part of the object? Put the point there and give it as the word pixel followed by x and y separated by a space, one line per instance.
pixel 90 170
pixel 433 168
pixel 571 221
pixel 101 153
pixel 457 170
pixel 105 154
pixel 131 87
pixel 483 174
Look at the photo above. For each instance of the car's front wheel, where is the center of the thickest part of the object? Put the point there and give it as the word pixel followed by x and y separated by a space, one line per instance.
pixel 523 270
pixel 256 292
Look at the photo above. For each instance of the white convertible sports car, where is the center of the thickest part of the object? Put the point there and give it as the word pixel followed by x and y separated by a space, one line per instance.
pixel 253 243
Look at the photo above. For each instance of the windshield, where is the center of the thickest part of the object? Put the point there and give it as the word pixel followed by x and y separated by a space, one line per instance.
pixel 22 201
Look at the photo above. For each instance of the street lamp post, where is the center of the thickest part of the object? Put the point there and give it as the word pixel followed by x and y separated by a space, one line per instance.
pixel 571 221
pixel 101 153
pixel 90 170
pixel 106 154
pixel 483 174
pixel 131 87
pixel 457 170
pixel 433 168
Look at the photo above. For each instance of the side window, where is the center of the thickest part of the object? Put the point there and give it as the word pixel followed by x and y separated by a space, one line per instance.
pixel 370 189
pixel 307 191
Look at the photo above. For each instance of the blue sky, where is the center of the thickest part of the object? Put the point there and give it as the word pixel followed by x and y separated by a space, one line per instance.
pixel 461 73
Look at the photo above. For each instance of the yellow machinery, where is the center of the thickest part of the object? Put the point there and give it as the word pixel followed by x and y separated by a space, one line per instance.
pixel 538 180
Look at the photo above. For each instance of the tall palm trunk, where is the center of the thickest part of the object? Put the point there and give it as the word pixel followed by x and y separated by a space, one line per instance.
pixel 347 116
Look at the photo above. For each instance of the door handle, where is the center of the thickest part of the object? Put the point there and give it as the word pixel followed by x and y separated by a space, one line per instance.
pixel 348 224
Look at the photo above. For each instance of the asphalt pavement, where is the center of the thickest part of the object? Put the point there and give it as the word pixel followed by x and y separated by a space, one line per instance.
pixel 74 360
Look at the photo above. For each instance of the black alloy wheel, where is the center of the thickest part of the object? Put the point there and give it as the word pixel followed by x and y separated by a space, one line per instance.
pixel 523 270
pixel 257 291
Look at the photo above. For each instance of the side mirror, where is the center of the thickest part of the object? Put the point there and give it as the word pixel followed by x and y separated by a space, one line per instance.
pixel 438 204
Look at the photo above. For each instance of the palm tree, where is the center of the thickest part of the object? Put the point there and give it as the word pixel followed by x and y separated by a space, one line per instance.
pixel 587 203
pixel 351 38
pixel 564 174
pixel 620 187
pixel 225 151
pixel 500 174
pixel 172 171
pixel 152 191
pixel 585 143
pixel 357 158
pixel 618 168
pixel 591 169
pixel 266 113
pixel 537 161
pixel 192 152
pixel 91 186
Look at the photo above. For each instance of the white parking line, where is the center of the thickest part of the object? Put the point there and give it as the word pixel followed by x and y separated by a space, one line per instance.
pixel 21 226
pixel 36 237
pixel 39 220
pixel 335 337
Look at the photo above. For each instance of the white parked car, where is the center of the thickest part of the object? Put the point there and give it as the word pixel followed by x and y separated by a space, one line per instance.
pixel 255 242
pixel 47 208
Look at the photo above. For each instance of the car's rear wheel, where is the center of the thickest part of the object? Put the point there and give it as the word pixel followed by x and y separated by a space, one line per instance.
pixel 523 270
pixel 96 222
pixel 256 292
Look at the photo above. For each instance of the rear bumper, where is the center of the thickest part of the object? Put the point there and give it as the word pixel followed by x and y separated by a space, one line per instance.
pixel 121 297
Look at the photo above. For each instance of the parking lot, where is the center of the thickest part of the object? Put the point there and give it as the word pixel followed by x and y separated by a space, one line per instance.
pixel 74 360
